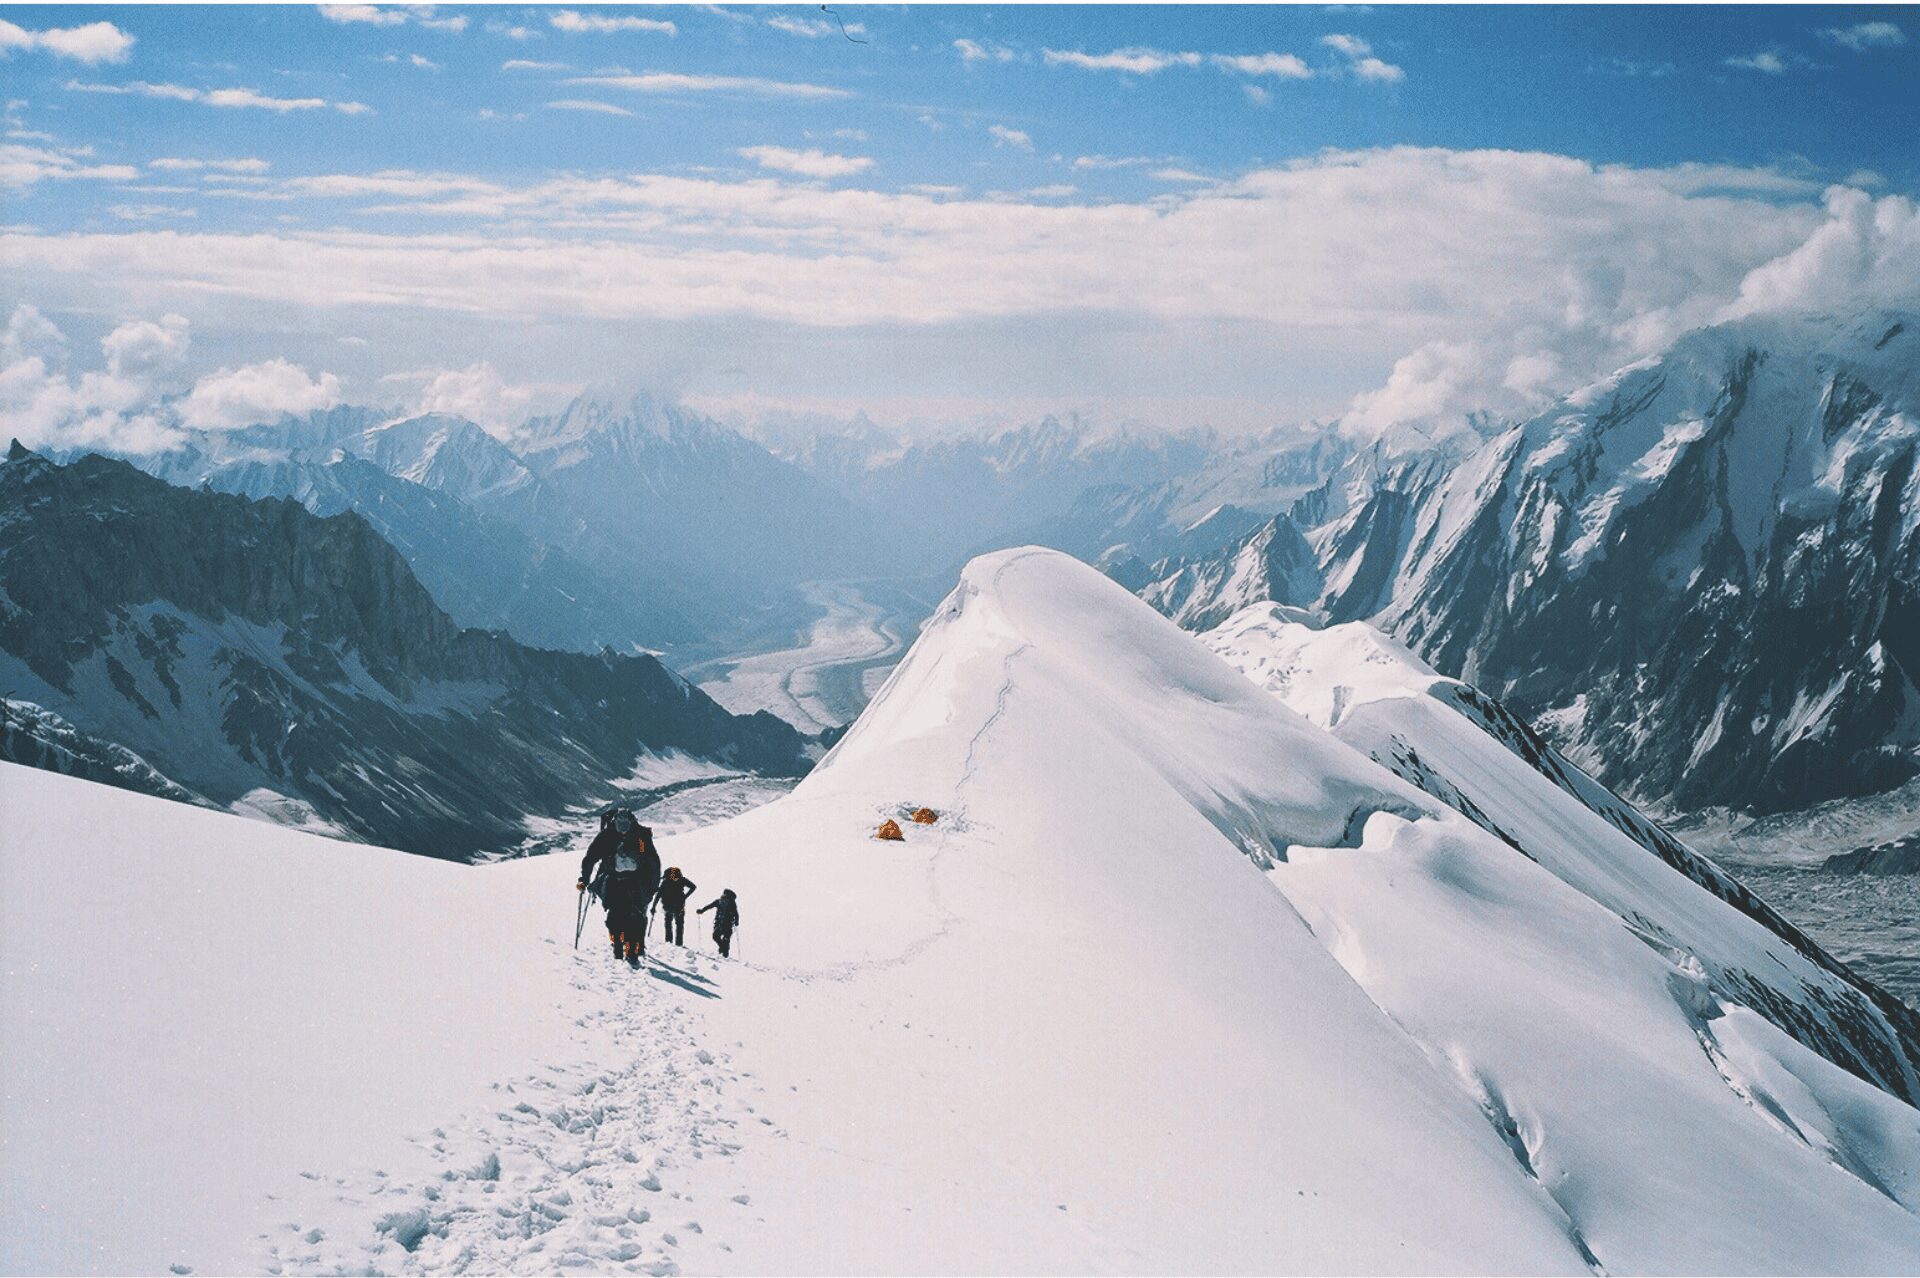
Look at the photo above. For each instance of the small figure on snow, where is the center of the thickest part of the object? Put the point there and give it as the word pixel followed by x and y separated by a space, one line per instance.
pixel 726 917
pixel 629 869
pixel 674 891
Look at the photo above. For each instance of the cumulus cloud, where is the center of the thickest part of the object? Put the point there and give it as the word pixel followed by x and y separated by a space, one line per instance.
pixel 1284 66
pixel 1015 138
pixel 109 408
pixel 1867 35
pixel 262 392
pixel 1360 59
pixel 372 15
pixel 977 51
pixel 94 43
pixel 807 163
pixel 1866 252
pixel 29 333
pixel 572 21
pixel 478 393
pixel 1132 61
pixel 1766 62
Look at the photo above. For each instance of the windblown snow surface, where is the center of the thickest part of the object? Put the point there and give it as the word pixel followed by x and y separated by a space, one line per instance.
pixel 1180 982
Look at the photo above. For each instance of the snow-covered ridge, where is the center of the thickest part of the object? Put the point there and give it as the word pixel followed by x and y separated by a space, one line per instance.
pixel 1467 750
pixel 1179 981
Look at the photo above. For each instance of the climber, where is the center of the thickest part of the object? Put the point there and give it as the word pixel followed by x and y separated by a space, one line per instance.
pixel 674 891
pixel 629 866
pixel 726 917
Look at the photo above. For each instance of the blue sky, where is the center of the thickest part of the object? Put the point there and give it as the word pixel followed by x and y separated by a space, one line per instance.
pixel 1244 215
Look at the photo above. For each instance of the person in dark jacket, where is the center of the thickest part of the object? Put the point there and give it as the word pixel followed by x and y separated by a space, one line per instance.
pixel 624 855
pixel 726 917
pixel 674 891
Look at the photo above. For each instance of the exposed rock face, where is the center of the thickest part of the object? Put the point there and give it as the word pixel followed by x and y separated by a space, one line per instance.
pixel 1273 562
pixel 38 738
pixel 244 646
pixel 1900 856
pixel 1700 577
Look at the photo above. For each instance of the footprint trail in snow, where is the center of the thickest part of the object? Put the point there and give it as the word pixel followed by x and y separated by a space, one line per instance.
pixel 578 1168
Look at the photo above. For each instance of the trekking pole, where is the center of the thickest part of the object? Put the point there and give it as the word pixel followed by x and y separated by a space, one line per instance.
pixel 580 922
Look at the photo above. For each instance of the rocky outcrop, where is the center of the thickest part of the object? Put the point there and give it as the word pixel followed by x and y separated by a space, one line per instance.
pixel 1898 856
pixel 243 645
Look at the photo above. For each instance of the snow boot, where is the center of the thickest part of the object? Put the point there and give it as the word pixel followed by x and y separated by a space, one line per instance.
pixel 619 944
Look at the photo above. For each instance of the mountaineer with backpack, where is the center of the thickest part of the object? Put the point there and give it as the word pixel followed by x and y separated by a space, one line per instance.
pixel 629 874
pixel 674 891
pixel 726 917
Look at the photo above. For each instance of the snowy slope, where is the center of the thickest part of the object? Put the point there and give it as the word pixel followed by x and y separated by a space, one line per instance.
pixel 1091 1021
pixel 1465 749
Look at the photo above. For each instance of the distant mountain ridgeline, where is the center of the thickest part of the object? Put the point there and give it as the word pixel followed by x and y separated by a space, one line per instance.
pixel 1700 578
pixel 256 655
pixel 1697 577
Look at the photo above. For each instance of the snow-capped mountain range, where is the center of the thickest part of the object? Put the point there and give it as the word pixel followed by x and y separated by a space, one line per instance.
pixel 1463 1022
pixel 1699 577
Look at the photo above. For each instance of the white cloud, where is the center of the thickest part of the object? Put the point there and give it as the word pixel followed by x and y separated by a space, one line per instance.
pixel 29 333
pixel 478 393
pixel 425 64
pixel 1866 253
pixel 813 28
pixel 1284 66
pixel 232 98
pixel 583 104
pixel 1015 138
pixel 456 24
pixel 1360 59
pixel 1110 161
pixel 1133 61
pixel 94 43
pixel 512 32
pixel 807 163
pixel 975 51
pixel 373 15
pixel 22 165
pixel 150 212
pixel 1180 175
pixel 144 348
pixel 1053 191
pixel 572 21
pixel 1375 256
pixel 262 392
pixel 679 82
pixel 1256 95
pixel 523 64
pixel 1767 63
pixel 178 164
pixel 1867 35
pixel 108 408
